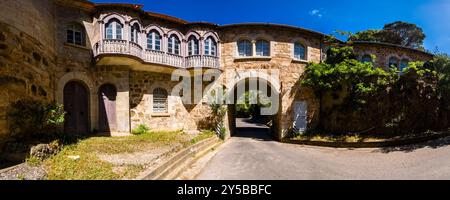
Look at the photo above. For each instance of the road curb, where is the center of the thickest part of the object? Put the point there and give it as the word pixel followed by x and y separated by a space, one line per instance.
pixel 388 143
pixel 179 160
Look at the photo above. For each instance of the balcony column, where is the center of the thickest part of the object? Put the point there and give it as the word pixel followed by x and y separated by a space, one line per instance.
pixel 201 46
pixel 253 47
pixel 102 35
pixel 126 37
pixel 201 51
pixel 183 52
pixel 165 46
pixel 143 41
pixel 218 54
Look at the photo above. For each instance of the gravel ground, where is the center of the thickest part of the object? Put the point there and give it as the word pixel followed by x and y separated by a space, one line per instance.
pixel 23 172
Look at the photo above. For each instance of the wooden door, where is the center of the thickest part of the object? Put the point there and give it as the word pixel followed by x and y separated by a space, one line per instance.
pixel 76 105
pixel 107 108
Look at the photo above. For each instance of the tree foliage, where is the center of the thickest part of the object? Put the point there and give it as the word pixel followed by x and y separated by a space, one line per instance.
pixel 441 64
pixel 399 33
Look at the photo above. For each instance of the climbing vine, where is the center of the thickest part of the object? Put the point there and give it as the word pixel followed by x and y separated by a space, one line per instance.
pixel 342 70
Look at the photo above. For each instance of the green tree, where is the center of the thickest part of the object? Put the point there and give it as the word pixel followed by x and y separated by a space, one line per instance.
pixel 404 34
pixel 399 33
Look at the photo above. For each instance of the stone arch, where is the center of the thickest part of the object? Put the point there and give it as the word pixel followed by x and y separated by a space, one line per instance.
pixel 111 16
pixel 177 33
pixel 81 77
pixel 213 35
pixel 154 27
pixel 193 33
pixel 236 77
pixel 138 22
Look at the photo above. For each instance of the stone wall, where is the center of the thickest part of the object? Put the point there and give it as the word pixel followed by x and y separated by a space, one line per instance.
pixel 384 52
pixel 179 116
pixel 27 55
pixel 33 17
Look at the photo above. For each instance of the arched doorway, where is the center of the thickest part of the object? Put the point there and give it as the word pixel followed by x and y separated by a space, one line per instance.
pixel 107 96
pixel 244 113
pixel 76 105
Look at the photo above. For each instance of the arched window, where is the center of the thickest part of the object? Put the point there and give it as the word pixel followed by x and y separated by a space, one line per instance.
pixel 262 48
pixel 114 29
pixel 210 47
pixel 174 45
pixel 135 33
pixel 299 51
pixel 160 102
pixel 154 41
pixel 193 47
pixel 245 48
pixel 367 59
pixel 76 35
pixel 404 64
pixel 393 62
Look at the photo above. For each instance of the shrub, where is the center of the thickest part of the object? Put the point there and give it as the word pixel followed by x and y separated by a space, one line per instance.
pixel 30 118
pixel 141 129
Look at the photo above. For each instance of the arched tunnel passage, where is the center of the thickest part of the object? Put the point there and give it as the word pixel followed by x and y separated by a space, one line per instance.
pixel 253 109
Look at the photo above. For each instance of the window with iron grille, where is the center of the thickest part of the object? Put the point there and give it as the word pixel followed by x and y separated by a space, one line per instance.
pixel 160 102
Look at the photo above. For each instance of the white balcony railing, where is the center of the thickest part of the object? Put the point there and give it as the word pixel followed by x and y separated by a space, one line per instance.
pixel 123 47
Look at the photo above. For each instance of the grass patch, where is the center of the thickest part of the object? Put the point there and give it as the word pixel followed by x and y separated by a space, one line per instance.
pixel 33 161
pixel 89 167
pixel 202 136
pixel 354 138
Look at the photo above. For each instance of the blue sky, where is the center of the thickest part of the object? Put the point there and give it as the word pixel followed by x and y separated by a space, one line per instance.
pixel 324 16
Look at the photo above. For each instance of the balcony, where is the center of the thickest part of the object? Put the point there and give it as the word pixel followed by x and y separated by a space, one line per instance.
pixel 123 47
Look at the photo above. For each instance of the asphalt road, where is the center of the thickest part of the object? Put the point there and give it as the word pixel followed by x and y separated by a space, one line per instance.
pixel 252 155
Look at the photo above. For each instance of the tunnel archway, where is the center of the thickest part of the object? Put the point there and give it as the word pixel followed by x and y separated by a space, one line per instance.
pixel 254 105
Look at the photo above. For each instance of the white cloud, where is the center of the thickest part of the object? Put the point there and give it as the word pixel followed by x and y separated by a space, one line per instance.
pixel 316 13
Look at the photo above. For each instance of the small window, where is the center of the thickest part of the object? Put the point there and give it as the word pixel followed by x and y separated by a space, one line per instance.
pixel 154 41
pixel 366 59
pixel 135 33
pixel 393 62
pixel 210 47
pixel 174 45
pixel 299 51
pixel 75 35
pixel 114 29
pixel 245 48
pixel 160 102
pixel 404 64
pixel 262 48
pixel 193 47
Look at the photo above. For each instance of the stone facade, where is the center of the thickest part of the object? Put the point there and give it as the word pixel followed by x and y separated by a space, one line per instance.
pixel 37 61
pixel 383 52
pixel 27 55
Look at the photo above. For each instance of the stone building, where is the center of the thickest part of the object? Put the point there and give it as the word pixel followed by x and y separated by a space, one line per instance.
pixel 112 65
